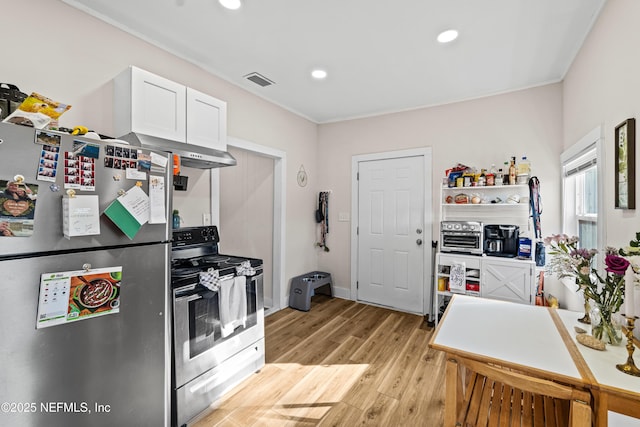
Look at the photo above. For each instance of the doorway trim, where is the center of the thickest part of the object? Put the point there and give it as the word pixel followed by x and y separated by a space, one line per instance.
pixel 279 211
pixel 426 154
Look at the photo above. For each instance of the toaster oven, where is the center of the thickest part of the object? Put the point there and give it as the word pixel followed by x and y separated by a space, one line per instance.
pixel 462 237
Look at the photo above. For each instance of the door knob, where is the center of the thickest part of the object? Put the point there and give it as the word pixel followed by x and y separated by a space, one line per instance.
pixel 419 242
pixel 419 231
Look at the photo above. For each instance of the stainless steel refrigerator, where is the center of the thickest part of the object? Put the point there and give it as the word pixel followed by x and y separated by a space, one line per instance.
pixel 106 370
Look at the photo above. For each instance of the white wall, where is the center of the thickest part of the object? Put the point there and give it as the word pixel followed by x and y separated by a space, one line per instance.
pixel 194 202
pixel 71 57
pixel 476 133
pixel 74 61
pixel 602 87
pixel 246 211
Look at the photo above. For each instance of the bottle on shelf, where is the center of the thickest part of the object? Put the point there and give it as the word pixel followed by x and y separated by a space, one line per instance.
pixel 505 177
pixel 524 166
pixel 491 175
pixel 499 180
pixel 524 169
pixel 482 179
pixel 512 171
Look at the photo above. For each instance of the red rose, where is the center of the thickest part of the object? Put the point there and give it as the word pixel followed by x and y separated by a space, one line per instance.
pixel 616 265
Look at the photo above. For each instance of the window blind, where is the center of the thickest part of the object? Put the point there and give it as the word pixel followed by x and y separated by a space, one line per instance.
pixel 583 161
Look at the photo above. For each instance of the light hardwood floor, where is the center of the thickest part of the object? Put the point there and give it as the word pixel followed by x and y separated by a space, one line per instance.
pixel 340 364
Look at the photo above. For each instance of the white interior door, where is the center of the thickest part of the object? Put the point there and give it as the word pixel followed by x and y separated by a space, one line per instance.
pixel 391 236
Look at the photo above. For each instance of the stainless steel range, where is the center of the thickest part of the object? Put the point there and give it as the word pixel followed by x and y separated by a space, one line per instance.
pixel 218 320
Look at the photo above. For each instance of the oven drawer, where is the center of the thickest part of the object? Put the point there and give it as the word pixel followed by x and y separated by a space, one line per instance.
pixel 197 395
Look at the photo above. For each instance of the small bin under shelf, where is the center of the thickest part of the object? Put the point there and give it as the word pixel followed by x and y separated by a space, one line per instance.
pixel 304 287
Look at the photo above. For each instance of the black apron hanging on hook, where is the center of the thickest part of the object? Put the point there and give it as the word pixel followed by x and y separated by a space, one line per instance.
pixel 319 214
pixel 322 218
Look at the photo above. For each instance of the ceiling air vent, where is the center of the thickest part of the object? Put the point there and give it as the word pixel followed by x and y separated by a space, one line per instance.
pixel 259 79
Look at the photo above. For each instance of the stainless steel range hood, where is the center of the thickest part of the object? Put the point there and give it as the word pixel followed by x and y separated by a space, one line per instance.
pixel 193 156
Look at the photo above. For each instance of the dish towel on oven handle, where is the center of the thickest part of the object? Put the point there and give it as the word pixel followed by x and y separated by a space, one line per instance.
pixel 210 279
pixel 245 269
pixel 233 304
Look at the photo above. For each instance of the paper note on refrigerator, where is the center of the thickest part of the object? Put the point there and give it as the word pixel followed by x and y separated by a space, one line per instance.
pixel 158 215
pixel 159 160
pixel 80 216
pixel 130 211
pixel 68 296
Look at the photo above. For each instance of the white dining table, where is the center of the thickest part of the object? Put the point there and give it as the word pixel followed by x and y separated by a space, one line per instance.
pixel 614 391
pixel 537 341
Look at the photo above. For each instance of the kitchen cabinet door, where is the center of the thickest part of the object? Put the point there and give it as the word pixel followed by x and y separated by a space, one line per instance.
pixel 149 104
pixel 507 280
pixel 206 120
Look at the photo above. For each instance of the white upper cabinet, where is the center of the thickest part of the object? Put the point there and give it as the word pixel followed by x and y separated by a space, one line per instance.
pixel 206 120
pixel 152 105
pixel 149 104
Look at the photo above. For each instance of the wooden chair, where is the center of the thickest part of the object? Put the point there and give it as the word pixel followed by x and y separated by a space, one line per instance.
pixel 496 397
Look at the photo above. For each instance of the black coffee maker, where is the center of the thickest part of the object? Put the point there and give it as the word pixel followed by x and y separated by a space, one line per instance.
pixel 501 240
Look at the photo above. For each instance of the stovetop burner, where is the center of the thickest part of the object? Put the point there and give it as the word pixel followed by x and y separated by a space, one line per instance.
pixel 213 261
pixel 188 269
pixel 195 250
pixel 185 272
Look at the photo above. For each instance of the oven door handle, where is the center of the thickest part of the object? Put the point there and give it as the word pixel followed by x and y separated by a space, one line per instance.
pixel 189 298
pixel 195 296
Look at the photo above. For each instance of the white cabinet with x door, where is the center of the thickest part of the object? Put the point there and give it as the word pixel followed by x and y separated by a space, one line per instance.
pixel 508 279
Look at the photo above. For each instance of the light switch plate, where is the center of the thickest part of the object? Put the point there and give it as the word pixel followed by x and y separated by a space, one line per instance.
pixel 206 219
pixel 343 216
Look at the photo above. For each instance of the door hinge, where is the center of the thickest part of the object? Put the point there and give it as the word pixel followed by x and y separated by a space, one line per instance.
pixel 357 285
pixel 357 176
pixel 357 230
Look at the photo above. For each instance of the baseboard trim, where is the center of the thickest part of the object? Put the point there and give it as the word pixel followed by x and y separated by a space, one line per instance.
pixel 343 293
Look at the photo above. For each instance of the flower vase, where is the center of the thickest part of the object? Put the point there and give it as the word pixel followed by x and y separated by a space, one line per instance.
pixel 586 319
pixel 604 325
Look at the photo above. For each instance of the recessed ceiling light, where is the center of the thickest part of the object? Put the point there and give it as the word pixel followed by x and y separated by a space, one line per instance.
pixel 231 4
pixel 319 74
pixel 447 36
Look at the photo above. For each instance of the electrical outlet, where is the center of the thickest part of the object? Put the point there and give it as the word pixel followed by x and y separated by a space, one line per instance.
pixel 206 219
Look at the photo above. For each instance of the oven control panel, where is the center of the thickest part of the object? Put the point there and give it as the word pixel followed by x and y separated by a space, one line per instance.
pixel 195 235
pixel 469 226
